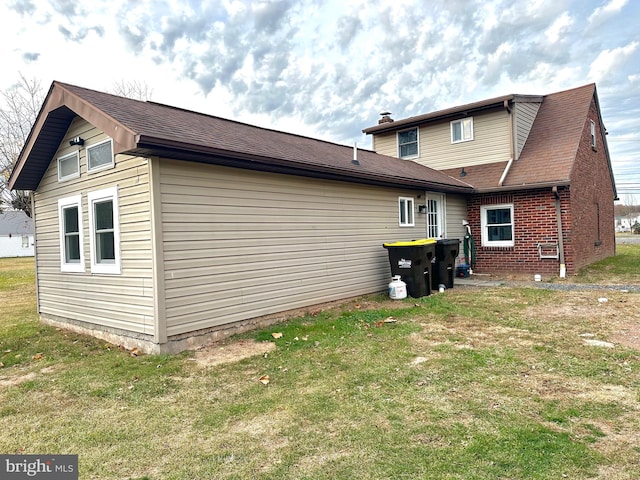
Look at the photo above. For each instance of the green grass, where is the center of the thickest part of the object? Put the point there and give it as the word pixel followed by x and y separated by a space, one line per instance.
pixel 622 268
pixel 487 383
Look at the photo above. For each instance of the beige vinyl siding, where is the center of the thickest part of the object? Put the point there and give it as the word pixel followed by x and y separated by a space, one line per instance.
pixel 387 143
pixel 455 213
pixel 491 143
pixel 524 114
pixel 123 301
pixel 240 244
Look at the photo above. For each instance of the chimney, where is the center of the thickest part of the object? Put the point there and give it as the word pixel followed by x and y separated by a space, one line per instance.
pixel 385 118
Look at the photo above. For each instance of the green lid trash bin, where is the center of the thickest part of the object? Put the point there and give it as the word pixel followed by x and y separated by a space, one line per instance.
pixel 412 261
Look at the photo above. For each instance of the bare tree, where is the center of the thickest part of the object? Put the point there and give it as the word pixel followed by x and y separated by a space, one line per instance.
pixel 20 106
pixel 133 89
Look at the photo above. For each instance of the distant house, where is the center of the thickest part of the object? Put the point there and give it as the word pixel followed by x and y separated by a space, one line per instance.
pixel 543 189
pixel 163 228
pixel 16 235
pixel 625 223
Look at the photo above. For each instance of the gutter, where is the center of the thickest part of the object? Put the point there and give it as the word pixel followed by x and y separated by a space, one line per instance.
pixel 505 104
pixel 563 268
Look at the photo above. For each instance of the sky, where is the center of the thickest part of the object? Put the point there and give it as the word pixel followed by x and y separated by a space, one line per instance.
pixel 328 68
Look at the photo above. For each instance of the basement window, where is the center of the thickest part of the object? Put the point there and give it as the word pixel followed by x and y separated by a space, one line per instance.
pixel 70 228
pixel 497 225
pixel 405 212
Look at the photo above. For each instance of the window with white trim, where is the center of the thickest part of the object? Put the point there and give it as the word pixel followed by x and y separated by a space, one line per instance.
pixel 408 143
pixel 405 212
pixel 70 227
pixel 68 166
pixel 593 134
pixel 462 130
pixel 104 231
pixel 497 225
pixel 100 156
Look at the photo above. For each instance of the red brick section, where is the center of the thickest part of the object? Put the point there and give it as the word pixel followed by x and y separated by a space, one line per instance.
pixel 592 197
pixel 587 216
pixel 535 222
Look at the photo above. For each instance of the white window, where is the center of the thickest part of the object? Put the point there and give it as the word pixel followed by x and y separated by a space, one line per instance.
pixel 104 231
pixel 593 134
pixel 497 225
pixel 408 143
pixel 68 166
pixel 462 130
pixel 435 218
pixel 100 156
pixel 25 241
pixel 70 226
pixel 405 212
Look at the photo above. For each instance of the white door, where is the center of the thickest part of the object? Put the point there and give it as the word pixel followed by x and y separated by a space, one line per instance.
pixel 435 215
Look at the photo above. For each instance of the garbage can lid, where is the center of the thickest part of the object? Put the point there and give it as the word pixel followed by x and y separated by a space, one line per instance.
pixel 411 243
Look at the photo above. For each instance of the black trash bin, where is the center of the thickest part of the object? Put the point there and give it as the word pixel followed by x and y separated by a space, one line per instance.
pixel 444 262
pixel 412 261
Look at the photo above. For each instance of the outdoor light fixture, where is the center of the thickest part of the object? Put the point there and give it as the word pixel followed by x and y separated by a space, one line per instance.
pixel 463 173
pixel 76 141
pixel 422 209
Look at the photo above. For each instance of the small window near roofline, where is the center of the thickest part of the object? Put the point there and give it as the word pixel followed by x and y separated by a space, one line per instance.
pixel 408 143
pixel 100 156
pixel 68 166
pixel 593 134
pixel 462 130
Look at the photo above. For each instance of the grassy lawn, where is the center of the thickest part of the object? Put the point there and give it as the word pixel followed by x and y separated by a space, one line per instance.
pixel 475 383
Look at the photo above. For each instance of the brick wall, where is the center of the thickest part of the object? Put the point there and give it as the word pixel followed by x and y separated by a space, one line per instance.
pixel 534 213
pixel 587 212
pixel 592 197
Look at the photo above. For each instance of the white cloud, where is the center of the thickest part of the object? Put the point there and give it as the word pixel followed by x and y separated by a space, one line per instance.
pixel 559 28
pixel 601 14
pixel 608 63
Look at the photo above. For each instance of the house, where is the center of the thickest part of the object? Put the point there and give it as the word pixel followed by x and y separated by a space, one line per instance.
pixel 543 189
pixel 161 228
pixel 626 223
pixel 16 234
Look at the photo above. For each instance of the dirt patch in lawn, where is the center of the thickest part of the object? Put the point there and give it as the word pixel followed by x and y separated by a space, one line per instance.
pixel 231 352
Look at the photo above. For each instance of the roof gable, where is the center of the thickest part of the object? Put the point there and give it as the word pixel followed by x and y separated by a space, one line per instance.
pixel 152 129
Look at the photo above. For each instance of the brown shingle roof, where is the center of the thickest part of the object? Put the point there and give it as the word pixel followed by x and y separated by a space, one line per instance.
pixel 148 128
pixel 550 150
pixel 552 145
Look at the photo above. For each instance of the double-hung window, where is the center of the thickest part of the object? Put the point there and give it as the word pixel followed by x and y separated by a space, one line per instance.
pixel 405 212
pixel 100 156
pixel 68 166
pixel 70 226
pixel 497 225
pixel 104 231
pixel 462 130
pixel 408 143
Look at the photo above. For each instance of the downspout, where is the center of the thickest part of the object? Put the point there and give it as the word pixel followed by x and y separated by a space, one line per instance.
pixel 511 147
pixel 563 268
pixel 35 249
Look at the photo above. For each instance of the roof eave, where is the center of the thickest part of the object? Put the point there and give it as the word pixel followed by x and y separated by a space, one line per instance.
pixel 525 186
pixel 170 149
